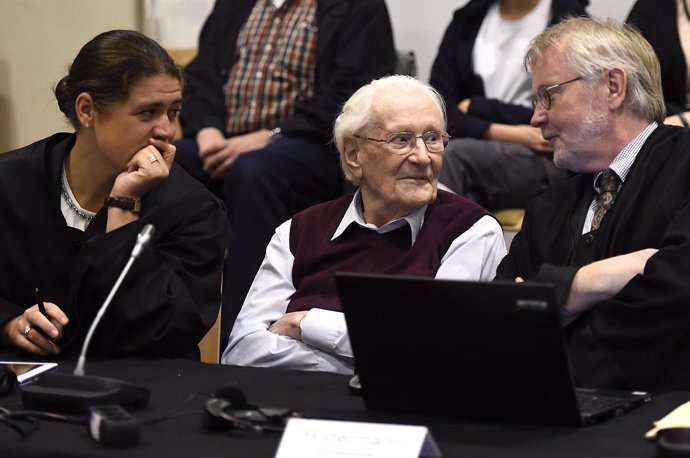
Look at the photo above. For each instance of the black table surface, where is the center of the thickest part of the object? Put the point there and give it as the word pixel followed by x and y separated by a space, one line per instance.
pixel 318 395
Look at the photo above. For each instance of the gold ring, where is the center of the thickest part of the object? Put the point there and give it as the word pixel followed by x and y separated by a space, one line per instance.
pixel 152 158
pixel 27 330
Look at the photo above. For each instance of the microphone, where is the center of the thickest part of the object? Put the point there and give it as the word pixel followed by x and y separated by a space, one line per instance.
pixel 75 393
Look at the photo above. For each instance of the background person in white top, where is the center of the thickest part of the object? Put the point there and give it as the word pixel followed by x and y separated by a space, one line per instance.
pixel 495 158
pixel 391 138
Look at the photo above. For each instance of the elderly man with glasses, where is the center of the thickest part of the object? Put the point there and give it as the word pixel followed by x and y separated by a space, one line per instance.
pixel 391 137
pixel 614 238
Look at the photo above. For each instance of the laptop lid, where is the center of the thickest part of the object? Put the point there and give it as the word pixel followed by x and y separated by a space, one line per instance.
pixel 490 351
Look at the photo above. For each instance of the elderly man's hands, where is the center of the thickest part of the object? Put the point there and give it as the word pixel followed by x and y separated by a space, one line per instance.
pixel 289 325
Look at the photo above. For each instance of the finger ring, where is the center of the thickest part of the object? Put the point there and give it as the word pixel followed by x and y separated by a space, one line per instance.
pixel 152 158
pixel 27 330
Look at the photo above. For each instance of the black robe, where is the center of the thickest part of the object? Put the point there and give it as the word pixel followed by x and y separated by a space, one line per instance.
pixel 640 338
pixel 169 298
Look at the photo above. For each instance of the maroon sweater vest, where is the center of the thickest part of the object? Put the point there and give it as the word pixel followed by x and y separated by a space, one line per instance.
pixel 358 249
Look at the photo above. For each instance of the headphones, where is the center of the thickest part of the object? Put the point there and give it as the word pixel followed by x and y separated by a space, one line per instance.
pixel 673 442
pixel 229 410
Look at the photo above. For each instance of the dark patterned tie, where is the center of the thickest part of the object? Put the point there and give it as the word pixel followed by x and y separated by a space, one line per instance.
pixel 608 188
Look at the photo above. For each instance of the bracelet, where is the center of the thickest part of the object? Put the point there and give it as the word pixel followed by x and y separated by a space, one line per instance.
pixel 132 204
pixel 683 119
pixel 299 326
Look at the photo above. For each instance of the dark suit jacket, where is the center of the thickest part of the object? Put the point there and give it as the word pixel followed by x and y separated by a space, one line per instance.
pixel 641 335
pixel 658 22
pixel 354 46
pixel 452 73
pixel 171 295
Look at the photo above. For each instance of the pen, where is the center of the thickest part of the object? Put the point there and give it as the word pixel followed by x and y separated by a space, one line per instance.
pixel 41 306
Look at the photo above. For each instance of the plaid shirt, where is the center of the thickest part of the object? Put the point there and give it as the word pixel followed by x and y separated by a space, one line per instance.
pixel 273 66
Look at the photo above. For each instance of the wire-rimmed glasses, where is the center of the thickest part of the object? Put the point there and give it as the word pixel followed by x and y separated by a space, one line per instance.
pixel 544 94
pixel 402 143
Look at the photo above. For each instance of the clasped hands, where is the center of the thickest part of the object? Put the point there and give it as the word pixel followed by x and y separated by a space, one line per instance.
pixel 289 325
pixel 219 153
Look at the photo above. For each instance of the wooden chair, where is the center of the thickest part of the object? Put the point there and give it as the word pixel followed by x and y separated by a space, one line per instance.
pixel 209 346
pixel 510 218
pixel 182 56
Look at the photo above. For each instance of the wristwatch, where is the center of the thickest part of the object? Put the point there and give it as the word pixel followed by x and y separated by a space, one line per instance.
pixel 132 204
pixel 275 134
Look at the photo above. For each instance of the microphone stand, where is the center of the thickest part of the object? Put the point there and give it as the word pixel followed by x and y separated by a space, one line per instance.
pixel 143 238
pixel 74 393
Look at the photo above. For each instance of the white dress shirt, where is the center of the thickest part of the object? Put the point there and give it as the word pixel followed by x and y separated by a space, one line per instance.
pixel 325 345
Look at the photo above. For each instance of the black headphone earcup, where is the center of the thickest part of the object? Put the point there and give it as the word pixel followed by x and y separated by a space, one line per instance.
pixel 213 414
pixel 673 442
pixel 233 395
pixel 215 417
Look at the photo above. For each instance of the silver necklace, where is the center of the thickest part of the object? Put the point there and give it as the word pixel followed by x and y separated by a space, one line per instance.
pixel 72 205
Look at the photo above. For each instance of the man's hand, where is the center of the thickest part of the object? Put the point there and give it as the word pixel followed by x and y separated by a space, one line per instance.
pixel 288 325
pixel 603 279
pixel 219 153
pixel 35 333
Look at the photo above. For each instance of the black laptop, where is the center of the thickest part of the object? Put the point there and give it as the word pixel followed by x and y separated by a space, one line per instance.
pixel 488 351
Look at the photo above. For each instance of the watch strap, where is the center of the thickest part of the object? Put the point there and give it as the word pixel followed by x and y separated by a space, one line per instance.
pixel 132 204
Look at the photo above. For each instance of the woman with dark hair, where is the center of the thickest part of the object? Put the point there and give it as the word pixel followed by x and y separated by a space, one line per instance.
pixel 72 205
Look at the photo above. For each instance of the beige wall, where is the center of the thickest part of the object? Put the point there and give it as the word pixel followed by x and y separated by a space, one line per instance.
pixel 38 40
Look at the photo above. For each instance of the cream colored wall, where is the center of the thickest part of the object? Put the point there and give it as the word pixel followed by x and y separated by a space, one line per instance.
pixel 38 40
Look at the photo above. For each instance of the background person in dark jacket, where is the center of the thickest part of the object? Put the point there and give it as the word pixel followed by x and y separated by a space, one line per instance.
pixel 666 25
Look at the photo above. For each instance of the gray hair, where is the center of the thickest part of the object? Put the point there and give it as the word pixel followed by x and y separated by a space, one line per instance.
pixel 358 111
pixel 592 46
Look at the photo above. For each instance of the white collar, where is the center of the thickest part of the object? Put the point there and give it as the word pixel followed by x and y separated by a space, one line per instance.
pixel 354 214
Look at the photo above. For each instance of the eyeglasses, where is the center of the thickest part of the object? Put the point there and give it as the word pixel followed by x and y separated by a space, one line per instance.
pixel 544 94
pixel 402 143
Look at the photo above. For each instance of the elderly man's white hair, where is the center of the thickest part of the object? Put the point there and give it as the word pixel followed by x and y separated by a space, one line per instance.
pixel 357 112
